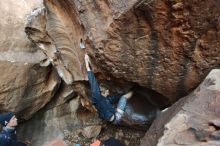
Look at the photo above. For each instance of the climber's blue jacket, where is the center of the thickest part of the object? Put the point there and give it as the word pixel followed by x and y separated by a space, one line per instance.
pixel 8 138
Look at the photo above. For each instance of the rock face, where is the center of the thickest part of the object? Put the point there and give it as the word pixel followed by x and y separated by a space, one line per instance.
pixel 160 45
pixel 193 120
pixel 167 46
pixel 59 122
pixel 25 86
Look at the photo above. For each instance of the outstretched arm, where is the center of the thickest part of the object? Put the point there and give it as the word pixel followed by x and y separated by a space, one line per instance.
pixel 92 80
pixel 87 62
pixel 94 86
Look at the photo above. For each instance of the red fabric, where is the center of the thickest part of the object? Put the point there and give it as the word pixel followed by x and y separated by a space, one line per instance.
pixel 96 143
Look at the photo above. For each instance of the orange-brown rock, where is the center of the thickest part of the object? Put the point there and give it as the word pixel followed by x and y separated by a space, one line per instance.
pixel 25 86
pixel 193 120
pixel 166 46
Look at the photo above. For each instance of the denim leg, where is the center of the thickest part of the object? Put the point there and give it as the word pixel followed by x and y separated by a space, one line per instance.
pixel 120 109
pixel 105 108
pixel 122 103
pixel 102 104
pixel 94 87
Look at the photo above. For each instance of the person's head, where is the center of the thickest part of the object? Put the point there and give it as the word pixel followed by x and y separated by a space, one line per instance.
pixel 104 90
pixel 8 119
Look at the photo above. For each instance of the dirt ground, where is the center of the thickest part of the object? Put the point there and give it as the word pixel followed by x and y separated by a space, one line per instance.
pixel 126 135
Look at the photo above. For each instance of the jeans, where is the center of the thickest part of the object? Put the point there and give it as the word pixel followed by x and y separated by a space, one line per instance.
pixel 104 105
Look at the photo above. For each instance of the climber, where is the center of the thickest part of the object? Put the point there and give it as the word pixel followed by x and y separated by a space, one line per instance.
pixel 8 134
pixel 102 101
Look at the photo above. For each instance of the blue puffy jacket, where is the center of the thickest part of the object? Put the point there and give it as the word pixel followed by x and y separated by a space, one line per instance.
pixel 8 138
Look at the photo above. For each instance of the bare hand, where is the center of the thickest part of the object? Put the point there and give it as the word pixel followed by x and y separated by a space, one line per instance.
pixel 87 61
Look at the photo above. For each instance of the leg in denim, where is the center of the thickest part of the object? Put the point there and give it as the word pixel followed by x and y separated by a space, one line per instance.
pixel 94 86
pixel 102 104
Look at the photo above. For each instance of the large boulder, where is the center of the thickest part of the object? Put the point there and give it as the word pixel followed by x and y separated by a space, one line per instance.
pixel 25 86
pixel 193 120
pixel 165 46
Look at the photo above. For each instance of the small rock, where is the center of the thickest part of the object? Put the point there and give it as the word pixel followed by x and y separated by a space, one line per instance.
pixel 126 142
pixel 91 131
pixel 120 133
pixel 178 6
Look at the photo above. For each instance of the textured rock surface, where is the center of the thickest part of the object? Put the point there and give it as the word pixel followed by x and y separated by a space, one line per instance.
pixel 25 87
pixel 191 121
pixel 160 45
pixel 65 30
pixel 57 122
pixel 167 46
